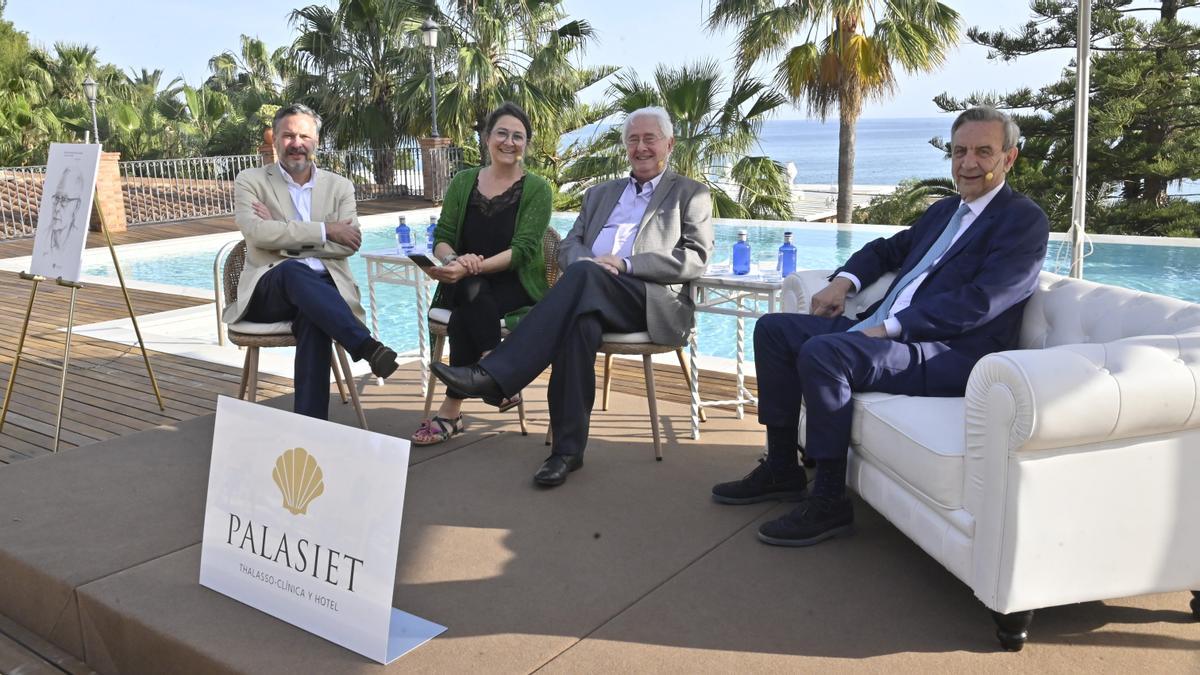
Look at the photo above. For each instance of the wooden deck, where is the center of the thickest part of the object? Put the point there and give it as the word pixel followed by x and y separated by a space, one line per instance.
pixel 108 393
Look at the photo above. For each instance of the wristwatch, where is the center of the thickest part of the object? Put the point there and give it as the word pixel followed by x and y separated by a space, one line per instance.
pixel 450 258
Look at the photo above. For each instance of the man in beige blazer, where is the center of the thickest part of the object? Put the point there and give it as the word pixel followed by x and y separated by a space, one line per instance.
pixel 628 259
pixel 300 227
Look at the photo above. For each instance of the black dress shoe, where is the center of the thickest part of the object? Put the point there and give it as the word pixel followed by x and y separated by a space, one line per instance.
pixel 555 469
pixel 383 361
pixel 814 521
pixel 762 484
pixel 470 380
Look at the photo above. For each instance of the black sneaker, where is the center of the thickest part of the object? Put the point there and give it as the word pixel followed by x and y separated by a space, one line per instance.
pixel 383 361
pixel 814 520
pixel 762 484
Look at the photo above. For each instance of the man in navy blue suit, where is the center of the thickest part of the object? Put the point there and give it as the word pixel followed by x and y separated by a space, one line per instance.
pixel 964 271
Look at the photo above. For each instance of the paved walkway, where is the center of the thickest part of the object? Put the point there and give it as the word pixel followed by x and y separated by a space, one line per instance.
pixel 629 567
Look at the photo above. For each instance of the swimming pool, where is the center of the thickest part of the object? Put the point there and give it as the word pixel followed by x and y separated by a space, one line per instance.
pixel 1164 269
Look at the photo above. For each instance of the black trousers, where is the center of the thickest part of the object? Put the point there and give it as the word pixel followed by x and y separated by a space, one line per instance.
pixel 478 304
pixel 564 330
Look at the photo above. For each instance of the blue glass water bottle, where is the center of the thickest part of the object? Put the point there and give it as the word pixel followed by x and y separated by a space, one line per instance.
pixel 403 237
pixel 787 255
pixel 741 254
pixel 429 232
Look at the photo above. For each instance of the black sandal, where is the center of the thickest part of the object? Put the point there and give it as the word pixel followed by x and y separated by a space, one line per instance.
pixel 437 430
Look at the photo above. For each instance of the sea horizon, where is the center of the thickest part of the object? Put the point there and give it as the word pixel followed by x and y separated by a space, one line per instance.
pixel 887 150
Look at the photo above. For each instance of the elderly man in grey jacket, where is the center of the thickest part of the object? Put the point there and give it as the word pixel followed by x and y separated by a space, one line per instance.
pixel 627 262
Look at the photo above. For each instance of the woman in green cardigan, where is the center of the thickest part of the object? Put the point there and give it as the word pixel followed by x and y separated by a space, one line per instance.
pixel 490 238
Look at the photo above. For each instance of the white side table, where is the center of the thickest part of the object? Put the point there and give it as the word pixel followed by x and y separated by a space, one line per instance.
pixel 740 296
pixel 389 266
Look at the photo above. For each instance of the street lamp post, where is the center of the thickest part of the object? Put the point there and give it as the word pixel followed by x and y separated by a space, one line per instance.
pixel 429 32
pixel 89 91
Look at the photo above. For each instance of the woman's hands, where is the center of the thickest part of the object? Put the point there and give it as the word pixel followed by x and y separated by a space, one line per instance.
pixel 471 262
pixel 449 273
pixel 465 265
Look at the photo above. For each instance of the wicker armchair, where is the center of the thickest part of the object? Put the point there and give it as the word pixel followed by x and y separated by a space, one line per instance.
pixel 439 320
pixel 253 336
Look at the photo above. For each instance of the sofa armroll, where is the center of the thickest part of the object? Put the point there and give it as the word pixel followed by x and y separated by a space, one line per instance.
pixel 1078 394
pixel 1079 461
pixel 801 285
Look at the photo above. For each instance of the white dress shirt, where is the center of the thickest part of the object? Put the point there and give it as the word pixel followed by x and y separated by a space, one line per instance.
pixel 623 224
pixel 904 299
pixel 302 199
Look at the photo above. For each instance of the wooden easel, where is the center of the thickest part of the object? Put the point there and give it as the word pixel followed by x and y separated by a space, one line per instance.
pixel 75 286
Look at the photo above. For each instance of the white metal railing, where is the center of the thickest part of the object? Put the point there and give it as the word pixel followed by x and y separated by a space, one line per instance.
pixel 20 196
pixel 400 171
pixel 160 190
pixel 163 190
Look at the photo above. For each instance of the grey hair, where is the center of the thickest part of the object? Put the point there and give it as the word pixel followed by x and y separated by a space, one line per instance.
pixel 658 113
pixel 985 113
pixel 294 109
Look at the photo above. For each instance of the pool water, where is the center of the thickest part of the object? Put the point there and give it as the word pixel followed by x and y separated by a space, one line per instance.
pixel 1166 270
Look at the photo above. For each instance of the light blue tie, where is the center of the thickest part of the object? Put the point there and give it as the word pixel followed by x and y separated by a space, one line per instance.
pixel 932 255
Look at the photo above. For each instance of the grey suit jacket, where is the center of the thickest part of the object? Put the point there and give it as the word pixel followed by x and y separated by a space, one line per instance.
pixel 672 247
pixel 270 242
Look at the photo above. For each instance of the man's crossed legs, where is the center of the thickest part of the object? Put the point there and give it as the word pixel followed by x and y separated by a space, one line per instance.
pixel 295 292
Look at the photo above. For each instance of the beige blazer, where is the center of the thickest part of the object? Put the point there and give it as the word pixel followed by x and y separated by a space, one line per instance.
pixel 672 247
pixel 270 242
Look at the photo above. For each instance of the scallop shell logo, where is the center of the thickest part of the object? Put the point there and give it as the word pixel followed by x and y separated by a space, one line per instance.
pixel 299 478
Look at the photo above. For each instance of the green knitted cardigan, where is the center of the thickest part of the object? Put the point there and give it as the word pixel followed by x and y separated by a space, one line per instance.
pixel 533 217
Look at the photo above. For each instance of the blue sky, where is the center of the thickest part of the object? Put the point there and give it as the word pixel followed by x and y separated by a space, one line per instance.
pixel 179 36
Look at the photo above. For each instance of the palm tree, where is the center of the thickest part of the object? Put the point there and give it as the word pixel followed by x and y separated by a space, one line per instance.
pixel 849 53
pixel 351 64
pixel 713 138
pixel 253 76
pixel 253 79
pixel 67 66
pixel 205 112
pixel 506 50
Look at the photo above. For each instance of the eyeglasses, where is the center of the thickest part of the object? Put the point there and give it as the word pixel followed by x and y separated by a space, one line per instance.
pixel 649 140
pixel 504 136
pixel 62 201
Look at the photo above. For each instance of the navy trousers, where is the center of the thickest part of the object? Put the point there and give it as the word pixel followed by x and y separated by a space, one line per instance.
pixel 295 292
pixel 811 357
pixel 564 329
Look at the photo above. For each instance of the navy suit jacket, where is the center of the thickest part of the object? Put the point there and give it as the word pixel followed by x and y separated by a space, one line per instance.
pixel 973 299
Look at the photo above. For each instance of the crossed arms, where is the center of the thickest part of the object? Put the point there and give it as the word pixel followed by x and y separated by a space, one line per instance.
pixel 262 228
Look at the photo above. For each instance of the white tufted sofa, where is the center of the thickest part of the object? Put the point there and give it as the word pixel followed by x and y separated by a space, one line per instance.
pixel 1069 472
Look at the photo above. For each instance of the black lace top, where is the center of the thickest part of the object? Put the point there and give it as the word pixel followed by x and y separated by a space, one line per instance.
pixel 489 224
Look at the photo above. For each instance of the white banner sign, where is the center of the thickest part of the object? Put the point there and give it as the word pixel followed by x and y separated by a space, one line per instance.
pixel 65 211
pixel 303 523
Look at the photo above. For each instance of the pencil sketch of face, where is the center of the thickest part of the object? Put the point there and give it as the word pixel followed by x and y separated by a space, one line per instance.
pixel 65 207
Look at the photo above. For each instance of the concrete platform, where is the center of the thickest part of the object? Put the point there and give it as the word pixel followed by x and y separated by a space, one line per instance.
pixel 628 567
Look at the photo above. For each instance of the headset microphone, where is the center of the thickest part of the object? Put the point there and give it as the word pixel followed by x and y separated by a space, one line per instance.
pixel 990 175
